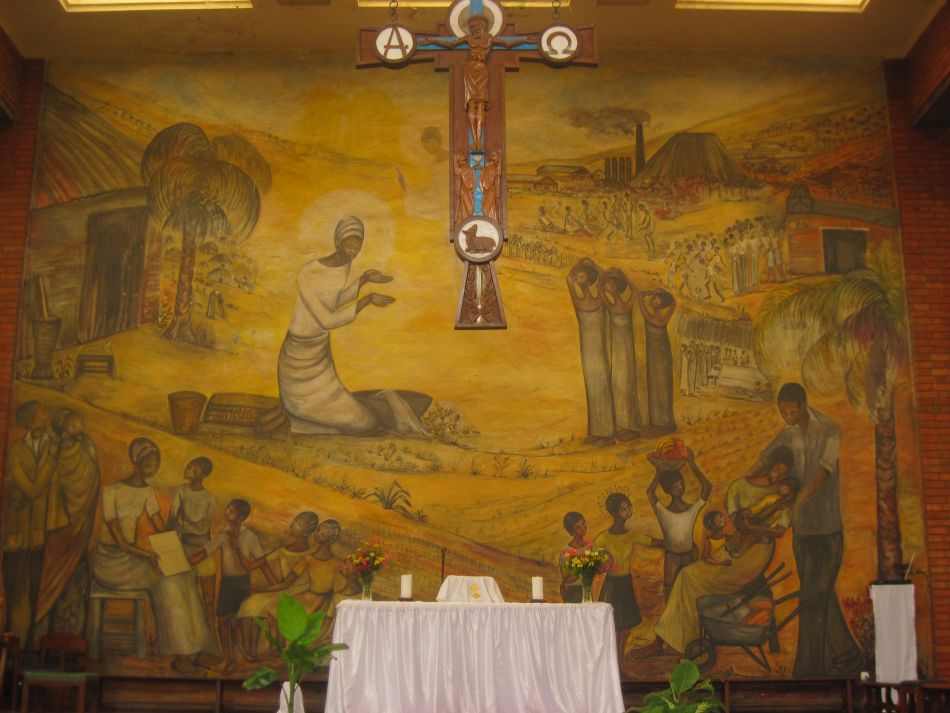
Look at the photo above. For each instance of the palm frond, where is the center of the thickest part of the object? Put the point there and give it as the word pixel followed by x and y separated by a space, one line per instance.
pixel 183 140
pixel 239 152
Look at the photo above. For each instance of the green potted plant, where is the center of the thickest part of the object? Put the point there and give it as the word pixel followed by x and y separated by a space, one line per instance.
pixel 687 693
pixel 296 645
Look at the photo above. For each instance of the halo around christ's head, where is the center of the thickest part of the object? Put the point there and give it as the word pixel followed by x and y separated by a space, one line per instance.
pixel 460 12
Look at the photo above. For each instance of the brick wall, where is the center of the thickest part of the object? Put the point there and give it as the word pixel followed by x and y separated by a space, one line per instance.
pixel 927 65
pixel 921 157
pixel 17 144
pixel 11 65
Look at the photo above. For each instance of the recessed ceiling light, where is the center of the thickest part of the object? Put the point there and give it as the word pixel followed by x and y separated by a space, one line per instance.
pixel 786 5
pixel 446 3
pixel 117 5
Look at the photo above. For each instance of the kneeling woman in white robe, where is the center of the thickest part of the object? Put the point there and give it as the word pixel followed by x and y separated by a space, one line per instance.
pixel 310 391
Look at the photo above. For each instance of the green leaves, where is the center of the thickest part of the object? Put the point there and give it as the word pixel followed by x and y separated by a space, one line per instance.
pixel 261 678
pixel 297 644
pixel 684 677
pixel 686 694
pixel 291 618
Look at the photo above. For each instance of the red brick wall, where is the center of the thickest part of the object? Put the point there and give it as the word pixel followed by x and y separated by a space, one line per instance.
pixel 921 157
pixel 17 144
pixel 11 65
pixel 928 63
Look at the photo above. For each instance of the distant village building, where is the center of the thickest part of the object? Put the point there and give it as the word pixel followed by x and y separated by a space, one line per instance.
pixel 568 178
pixel 832 237
pixel 525 182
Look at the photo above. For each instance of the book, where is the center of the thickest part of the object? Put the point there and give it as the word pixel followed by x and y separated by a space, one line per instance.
pixel 171 555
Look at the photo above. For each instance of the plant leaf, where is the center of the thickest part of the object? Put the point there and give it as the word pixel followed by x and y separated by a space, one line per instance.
pixel 314 625
pixel 684 677
pixel 271 639
pixel 259 679
pixel 292 618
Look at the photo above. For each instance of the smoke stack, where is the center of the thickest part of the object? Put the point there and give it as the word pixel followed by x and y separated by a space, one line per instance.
pixel 641 153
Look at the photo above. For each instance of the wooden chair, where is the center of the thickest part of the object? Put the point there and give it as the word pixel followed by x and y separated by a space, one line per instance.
pixel 69 653
pixel 10 652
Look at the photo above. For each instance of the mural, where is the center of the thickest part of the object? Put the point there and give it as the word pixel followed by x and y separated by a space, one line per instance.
pixel 236 335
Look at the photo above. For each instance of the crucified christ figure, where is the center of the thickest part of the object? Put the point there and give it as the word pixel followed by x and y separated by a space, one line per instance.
pixel 475 72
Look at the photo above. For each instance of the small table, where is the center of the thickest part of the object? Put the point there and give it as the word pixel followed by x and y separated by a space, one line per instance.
pixel 450 657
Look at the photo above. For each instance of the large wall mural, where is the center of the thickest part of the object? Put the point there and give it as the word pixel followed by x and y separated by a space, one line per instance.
pixel 237 328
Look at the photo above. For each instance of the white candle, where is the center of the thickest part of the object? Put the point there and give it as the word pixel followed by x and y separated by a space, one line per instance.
pixel 537 588
pixel 405 586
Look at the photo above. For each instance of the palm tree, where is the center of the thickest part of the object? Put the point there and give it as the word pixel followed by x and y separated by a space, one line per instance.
pixel 848 332
pixel 203 189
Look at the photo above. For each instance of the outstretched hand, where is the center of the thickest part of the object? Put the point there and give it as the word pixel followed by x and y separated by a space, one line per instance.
pixel 374 276
pixel 380 300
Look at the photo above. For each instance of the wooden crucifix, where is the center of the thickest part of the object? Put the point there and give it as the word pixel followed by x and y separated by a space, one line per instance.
pixel 476 47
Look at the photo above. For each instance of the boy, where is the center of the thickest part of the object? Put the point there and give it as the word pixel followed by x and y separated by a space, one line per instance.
pixel 241 553
pixel 191 515
pixel 678 518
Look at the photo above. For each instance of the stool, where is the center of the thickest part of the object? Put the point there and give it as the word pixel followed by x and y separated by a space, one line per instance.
pixel 89 363
pixel 98 596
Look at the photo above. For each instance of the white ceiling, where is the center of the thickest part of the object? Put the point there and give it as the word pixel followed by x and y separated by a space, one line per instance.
pixel 41 28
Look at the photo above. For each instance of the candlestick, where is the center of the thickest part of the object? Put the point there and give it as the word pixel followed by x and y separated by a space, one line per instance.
pixel 537 589
pixel 405 588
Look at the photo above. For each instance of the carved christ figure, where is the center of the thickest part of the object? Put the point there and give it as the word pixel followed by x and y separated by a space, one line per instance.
pixel 475 72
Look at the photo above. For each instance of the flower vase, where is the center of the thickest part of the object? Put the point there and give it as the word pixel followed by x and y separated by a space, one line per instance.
pixel 587 587
pixel 366 583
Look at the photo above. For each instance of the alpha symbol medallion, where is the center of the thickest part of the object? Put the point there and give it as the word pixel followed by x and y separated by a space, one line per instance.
pixel 395 44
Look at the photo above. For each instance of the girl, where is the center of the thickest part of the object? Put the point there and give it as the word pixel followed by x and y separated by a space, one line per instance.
pixel 617 589
pixel 576 526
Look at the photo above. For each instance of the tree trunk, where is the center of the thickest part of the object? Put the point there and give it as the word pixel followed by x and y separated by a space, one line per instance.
pixel 889 556
pixel 180 328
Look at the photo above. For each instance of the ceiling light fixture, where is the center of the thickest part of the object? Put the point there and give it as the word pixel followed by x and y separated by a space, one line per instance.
pixel 126 5
pixel 785 5
pixel 447 3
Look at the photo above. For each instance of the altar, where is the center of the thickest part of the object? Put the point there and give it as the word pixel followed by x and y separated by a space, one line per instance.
pixel 451 657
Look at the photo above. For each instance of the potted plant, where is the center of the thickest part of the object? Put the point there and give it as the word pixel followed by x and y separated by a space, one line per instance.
pixel 296 645
pixel 686 694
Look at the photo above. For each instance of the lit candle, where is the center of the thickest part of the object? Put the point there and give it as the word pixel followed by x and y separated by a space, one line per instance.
pixel 405 586
pixel 537 589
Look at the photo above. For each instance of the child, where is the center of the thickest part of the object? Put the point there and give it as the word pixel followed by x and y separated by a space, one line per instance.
pixel 191 515
pixel 771 511
pixel 617 589
pixel 677 519
pixel 240 553
pixel 576 526
pixel 714 526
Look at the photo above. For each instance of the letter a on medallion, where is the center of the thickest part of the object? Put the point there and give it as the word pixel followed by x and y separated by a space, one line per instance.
pixel 395 44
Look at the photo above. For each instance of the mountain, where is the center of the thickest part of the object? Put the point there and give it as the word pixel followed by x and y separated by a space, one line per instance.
pixel 693 155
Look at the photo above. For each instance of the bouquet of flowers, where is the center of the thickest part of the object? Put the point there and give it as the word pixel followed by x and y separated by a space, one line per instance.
pixel 368 557
pixel 586 562
pixel 366 560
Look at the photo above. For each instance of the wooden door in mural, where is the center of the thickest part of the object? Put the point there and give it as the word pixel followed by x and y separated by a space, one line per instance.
pixel 845 249
pixel 112 278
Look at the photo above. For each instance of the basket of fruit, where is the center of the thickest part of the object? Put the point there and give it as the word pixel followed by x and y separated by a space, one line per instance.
pixel 669 454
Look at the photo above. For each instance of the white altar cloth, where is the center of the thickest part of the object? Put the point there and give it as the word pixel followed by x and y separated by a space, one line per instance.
pixel 448 657
pixel 477 590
